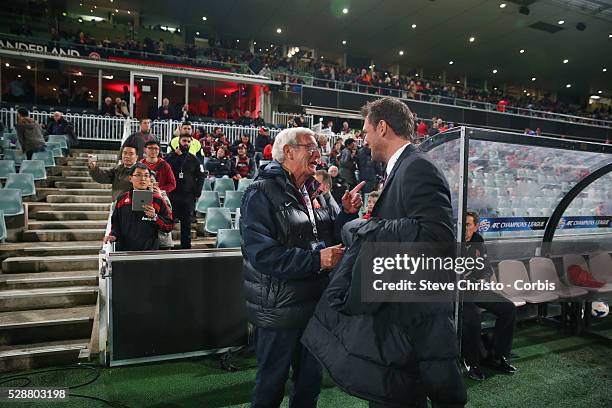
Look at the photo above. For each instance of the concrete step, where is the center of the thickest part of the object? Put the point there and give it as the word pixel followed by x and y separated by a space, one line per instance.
pixel 89 185
pixel 75 173
pixel 104 190
pixel 38 280
pixel 71 215
pixel 35 208
pixel 31 264
pixel 17 249
pixel 78 199
pixel 63 235
pixel 76 224
pixel 35 326
pixel 84 152
pixel 56 353
pixel 82 161
pixel 101 156
pixel 47 298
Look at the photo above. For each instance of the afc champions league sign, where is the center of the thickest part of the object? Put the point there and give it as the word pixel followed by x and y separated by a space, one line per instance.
pixel 18 45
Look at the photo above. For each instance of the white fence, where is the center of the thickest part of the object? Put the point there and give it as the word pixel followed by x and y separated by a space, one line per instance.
pixel 112 129
pixel 282 118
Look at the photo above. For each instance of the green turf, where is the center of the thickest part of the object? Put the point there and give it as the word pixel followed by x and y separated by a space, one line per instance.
pixel 555 370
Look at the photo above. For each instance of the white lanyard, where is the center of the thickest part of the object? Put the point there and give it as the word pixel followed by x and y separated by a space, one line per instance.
pixel 311 216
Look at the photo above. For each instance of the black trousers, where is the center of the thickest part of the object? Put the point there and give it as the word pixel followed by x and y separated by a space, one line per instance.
pixel 277 350
pixel 183 206
pixel 421 403
pixel 505 313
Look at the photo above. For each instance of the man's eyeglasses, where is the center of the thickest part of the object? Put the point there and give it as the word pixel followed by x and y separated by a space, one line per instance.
pixel 310 148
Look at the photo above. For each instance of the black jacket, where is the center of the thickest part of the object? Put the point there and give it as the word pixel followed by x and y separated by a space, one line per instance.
pixel 392 353
pixel 261 142
pixel 339 187
pixel 193 174
pixel 369 170
pixel 63 128
pixel 132 232
pixel 282 277
pixel 164 113
pixel 347 166
pixel 476 248
pixel 220 167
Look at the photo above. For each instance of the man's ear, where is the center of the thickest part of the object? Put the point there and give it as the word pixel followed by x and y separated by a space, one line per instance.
pixel 383 128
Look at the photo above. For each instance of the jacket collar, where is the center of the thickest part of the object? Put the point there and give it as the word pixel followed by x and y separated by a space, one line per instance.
pixel 407 152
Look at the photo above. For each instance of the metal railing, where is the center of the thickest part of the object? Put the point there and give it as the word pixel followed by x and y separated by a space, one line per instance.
pixel 113 129
pixel 431 98
pixel 283 118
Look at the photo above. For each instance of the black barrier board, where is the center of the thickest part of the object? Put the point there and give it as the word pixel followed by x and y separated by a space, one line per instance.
pixel 175 305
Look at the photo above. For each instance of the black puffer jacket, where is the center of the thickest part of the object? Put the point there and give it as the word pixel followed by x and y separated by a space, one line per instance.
pixel 283 281
pixel 390 353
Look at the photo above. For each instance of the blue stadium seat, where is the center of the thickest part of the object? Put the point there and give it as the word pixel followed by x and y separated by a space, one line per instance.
pixel 56 148
pixel 237 219
pixel 207 185
pixel 222 185
pixel 244 183
pixel 4 145
pixel 208 199
pixel 232 200
pixel 10 202
pixel 2 227
pixel 216 219
pixel 6 167
pixel 61 139
pixel 35 167
pixel 228 238
pixel 23 182
pixel 46 156
pixel 13 154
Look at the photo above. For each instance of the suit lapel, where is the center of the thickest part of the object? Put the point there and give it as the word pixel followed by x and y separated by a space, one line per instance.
pixel 407 151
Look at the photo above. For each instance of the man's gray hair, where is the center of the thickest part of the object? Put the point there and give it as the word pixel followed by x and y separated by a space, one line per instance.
pixel 287 137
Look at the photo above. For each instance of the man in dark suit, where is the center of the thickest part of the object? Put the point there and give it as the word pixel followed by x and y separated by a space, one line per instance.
pixel 416 198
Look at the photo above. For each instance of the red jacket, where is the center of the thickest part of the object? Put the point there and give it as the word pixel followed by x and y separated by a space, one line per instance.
pixel 163 174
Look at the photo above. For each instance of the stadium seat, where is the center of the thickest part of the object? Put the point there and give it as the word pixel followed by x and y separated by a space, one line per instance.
pixel 61 139
pixel 4 145
pixel 573 259
pixel 543 269
pixel 10 202
pixel 244 183
pixel 511 271
pixel 222 185
pixel 216 219
pixel 23 182
pixel 207 185
pixel 237 219
pixel 208 199
pixel 56 149
pixel 35 167
pixel 517 302
pixel 2 227
pixel 228 238
pixel 232 200
pixel 46 156
pixel 7 167
pixel 13 154
pixel 601 266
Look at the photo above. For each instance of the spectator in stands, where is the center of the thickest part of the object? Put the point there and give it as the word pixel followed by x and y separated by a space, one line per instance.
pixel 162 170
pixel 203 106
pixel 504 310
pixel 185 114
pixel 189 176
pixel 58 125
pixel 29 134
pixel 325 198
pixel 338 184
pixel 369 170
pixel 141 137
pixel 108 109
pixel 329 129
pixel 246 141
pixel 372 198
pixel 195 147
pixel 223 141
pixel 261 141
pixel 243 164
pixel 324 146
pixel 208 145
pixel 118 176
pixel 284 258
pixel 335 152
pixel 164 112
pixel 422 129
pixel 220 166
pixel 130 229
pixel 258 120
pixel 347 162
pixel 346 130
pixel 121 108
pixel 434 127
pixel 221 113
pixel 245 120
pixel 165 238
pixel 267 153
